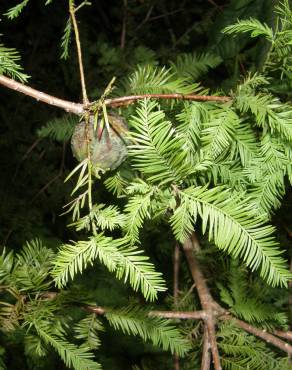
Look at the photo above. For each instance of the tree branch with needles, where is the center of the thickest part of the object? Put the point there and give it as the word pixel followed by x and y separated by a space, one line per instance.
pixel 176 263
pixel 79 108
pixel 213 310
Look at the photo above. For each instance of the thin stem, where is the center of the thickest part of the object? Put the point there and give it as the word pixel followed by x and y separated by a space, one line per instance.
pixel 72 11
pixel 81 6
pixel 261 333
pixel 79 51
pixel 68 106
pixel 206 356
pixel 124 25
pixel 90 204
pixel 210 323
pixel 199 315
pixel 284 334
pixel 176 261
pixel 127 100
pixel 181 315
pixel 59 174
pixel 89 169
pixel 207 302
pixel 79 109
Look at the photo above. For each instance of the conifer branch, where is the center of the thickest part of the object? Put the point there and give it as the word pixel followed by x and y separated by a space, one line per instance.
pixel 219 314
pixel 188 315
pixel 206 355
pixel 261 333
pixel 78 108
pixel 283 334
pixel 180 315
pixel 214 311
pixel 203 315
pixel 127 100
pixel 124 25
pixel 176 262
pixel 72 11
pixel 205 297
pixel 41 96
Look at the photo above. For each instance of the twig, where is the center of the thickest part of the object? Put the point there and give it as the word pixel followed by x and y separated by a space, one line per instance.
pixel 290 292
pixel 210 323
pixel 59 174
pixel 81 6
pixel 95 309
pixel 284 334
pixel 181 315
pixel 263 334
pixel 206 356
pixel 25 156
pixel 124 25
pixel 176 362
pixel 183 35
pixel 78 108
pixel 145 20
pixel 165 14
pixel 41 96
pixel 6 237
pixel 79 51
pixel 201 315
pixel 154 18
pixel 188 293
pixel 176 261
pixel 126 100
pixel 30 149
pixel 212 2
pixel 207 302
pixel 193 315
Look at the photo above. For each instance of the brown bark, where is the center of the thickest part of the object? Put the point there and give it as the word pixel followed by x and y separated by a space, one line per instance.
pixel 261 333
pixel 207 302
pixel 203 315
pixel 187 315
pixel 41 96
pixel 72 12
pixel 206 355
pixel 176 261
pixel 79 109
pixel 283 334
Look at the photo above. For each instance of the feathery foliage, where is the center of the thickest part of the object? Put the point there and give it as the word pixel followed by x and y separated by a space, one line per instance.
pixel 9 59
pixel 66 39
pixel 133 320
pixel 17 9
pixel 154 80
pixel 243 351
pixel 78 357
pixel 156 151
pixel 117 255
pixel 87 329
pixel 60 129
pixel 248 301
pixel 247 235
pixel 254 26
pixel 195 65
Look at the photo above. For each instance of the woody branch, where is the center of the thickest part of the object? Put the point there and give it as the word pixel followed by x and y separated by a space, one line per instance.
pixel 78 108
pixel 218 312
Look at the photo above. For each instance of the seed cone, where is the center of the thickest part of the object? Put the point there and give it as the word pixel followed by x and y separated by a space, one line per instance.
pixel 107 150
